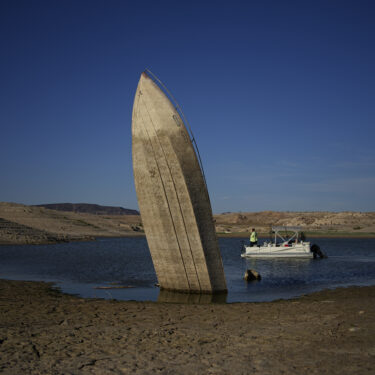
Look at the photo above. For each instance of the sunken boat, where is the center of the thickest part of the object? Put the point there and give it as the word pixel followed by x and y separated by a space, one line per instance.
pixel 172 194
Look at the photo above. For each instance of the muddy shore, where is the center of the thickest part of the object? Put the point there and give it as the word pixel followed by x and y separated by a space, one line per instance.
pixel 43 331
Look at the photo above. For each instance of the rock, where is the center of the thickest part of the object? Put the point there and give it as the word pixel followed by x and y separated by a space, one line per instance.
pixel 251 275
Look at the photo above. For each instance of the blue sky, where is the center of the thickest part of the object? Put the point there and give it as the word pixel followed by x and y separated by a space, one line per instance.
pixel 280 96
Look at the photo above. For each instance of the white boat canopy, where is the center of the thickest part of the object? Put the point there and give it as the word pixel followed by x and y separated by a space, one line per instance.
pixel 284 229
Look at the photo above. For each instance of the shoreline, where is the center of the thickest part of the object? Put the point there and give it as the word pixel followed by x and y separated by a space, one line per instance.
pixel 178 297
pixel 239 235
pixel 331 331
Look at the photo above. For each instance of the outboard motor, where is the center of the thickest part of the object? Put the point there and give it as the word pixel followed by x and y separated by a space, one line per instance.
pixel 315 249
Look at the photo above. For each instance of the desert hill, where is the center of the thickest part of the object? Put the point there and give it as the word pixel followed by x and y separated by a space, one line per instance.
pixel 34 224
pixel 88 208
pixel 319 223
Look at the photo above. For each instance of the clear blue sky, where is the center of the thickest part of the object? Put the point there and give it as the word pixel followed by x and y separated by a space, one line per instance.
pixel 280 96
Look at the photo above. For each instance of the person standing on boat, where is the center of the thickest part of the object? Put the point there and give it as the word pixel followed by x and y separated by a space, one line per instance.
pixel 253 238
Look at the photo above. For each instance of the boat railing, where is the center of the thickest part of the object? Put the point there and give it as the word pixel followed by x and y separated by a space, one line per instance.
pixel 183 117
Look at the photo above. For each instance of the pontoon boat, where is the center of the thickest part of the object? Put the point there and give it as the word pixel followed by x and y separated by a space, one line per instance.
pixel 284 246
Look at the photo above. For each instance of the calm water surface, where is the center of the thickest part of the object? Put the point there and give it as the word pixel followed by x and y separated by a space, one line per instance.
pixel 81 267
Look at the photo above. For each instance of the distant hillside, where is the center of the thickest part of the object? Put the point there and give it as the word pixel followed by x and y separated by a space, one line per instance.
pixel 20 224
pixel 87 208
pixel 317 222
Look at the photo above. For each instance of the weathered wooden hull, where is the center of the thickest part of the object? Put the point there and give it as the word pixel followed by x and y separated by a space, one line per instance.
pixel 172 196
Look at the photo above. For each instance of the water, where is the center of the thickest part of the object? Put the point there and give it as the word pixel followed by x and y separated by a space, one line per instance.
pixel 81 267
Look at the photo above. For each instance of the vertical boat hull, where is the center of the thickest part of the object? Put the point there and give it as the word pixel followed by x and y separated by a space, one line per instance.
pixel 172 196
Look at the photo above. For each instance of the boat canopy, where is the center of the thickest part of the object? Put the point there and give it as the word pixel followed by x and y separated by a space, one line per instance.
pixel 286 228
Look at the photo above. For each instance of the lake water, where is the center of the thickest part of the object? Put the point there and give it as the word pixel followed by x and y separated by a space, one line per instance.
pixel 81 267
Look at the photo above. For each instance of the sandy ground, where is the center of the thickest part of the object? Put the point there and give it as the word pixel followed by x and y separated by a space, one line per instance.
pixel 43 331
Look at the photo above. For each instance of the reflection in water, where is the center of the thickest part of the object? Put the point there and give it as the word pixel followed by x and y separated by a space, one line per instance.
pixel 191 298
pixel 277 266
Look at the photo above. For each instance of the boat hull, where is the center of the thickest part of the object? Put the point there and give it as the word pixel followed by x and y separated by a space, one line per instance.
pixel 298 251
pixel 172 196
pixel 278 255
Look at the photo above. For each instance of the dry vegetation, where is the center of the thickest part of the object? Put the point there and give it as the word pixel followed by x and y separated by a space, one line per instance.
pixel 29 224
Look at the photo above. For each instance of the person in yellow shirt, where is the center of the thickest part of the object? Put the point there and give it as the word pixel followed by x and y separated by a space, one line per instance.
pixel 253 238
